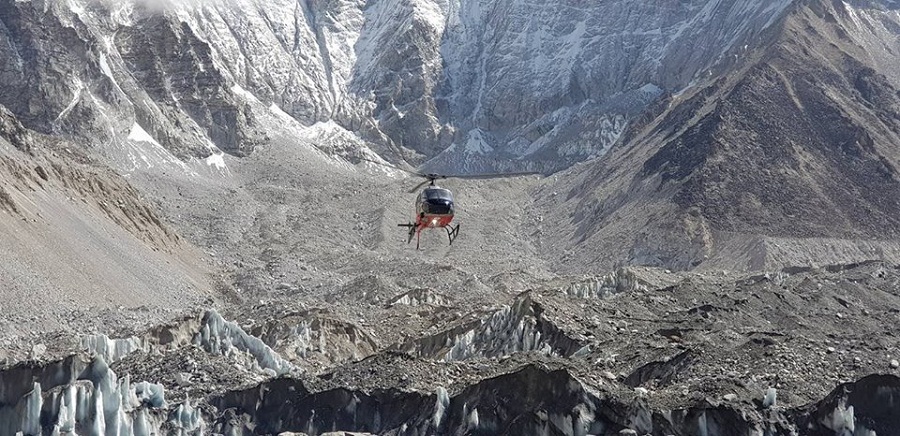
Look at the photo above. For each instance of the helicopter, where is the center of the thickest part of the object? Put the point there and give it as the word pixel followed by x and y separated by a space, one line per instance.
pixel 434 205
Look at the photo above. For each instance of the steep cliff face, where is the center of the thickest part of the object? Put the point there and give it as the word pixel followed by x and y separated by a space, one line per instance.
pixel 73 70
pixel 553 84
pixel 796 145
pixel 468 84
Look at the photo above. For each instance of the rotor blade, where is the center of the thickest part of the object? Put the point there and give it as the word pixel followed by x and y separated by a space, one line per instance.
pixel 432 177
pixel 491 176
pixel 396 167
pixel 413 190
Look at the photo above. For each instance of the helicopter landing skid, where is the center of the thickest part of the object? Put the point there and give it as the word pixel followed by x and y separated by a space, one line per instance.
pixel 412 232
pixel 452 233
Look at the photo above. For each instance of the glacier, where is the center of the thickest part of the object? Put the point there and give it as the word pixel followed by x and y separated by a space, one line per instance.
pixel 98 403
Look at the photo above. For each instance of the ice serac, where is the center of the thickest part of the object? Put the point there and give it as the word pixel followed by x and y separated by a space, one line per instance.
pixel 82 393
pixel 87 397
pixel 520 327
pixel 219 336
pixel 111 350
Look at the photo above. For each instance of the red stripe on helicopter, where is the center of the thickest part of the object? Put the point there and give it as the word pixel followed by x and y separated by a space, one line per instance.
pixel 434 221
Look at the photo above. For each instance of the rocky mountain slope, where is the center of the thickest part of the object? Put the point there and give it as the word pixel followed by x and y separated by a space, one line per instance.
pixel 470 85
pixel 82 248
pixel 232 273
pixel 789 159
pixel 165 84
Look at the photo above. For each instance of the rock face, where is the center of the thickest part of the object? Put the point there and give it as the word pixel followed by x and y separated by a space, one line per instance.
pixel 793 150
pixel 79 70
pixel 470 84
pixel 559 82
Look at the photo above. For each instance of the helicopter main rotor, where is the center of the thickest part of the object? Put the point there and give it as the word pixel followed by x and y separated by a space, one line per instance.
pixel 431 177
pixel 435 209
pixel 429 180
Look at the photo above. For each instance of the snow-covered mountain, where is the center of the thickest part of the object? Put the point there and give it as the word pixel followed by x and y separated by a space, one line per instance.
pixel 738 135
pixel 467 84
pixel 790 158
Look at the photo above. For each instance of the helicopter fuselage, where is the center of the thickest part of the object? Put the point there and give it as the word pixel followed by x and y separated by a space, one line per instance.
pixel 433 221
pixel 434 207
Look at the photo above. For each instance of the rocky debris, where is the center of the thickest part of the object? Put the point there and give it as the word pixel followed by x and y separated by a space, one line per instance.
pixel 86 251
pixel 316 340
pixel 183 379
pixel 325 318
pixel 660 372
pixel 634 376
pixel 38 351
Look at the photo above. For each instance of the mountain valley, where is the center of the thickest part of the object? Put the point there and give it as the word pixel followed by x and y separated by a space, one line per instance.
pixel 199 209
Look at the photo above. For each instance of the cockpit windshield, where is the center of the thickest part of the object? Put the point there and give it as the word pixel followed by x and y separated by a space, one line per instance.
pixel 438 194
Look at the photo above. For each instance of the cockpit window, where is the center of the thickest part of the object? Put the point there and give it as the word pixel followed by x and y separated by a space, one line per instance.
pixel 438 194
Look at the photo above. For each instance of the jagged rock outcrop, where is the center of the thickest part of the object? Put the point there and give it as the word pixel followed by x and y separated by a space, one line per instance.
pixel 860 407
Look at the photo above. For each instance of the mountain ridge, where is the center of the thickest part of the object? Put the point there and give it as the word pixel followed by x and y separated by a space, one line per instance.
pixel 409 79
pixel 232 266
pixel 804 126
